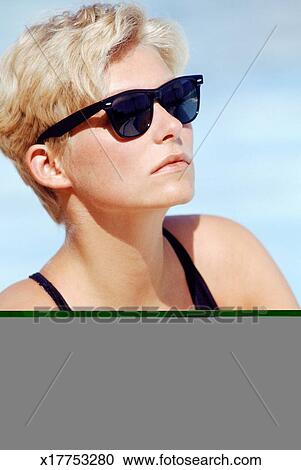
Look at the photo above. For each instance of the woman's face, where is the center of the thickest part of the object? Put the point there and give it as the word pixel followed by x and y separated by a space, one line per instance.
pixel 108 172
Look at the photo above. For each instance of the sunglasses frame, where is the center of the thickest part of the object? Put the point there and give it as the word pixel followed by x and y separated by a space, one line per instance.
pixel 73 120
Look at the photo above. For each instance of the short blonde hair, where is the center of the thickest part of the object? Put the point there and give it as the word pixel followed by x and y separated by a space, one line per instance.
pixel 58 66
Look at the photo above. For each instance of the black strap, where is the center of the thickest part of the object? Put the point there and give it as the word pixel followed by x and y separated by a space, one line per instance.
pixel 199 291
pixel 51 290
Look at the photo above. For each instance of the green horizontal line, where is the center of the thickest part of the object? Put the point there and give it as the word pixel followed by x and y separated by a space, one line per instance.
pixel 156 314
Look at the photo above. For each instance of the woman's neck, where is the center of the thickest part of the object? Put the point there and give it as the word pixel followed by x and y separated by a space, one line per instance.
pixel 121 260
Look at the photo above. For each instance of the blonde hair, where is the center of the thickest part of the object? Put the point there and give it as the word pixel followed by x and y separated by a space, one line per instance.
pixel 58 66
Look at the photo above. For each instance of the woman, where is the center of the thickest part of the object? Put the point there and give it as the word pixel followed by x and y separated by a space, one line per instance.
pixel 111 171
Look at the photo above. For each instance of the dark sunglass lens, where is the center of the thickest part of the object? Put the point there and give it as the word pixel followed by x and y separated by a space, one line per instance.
pixel 131 114
pixel 181 99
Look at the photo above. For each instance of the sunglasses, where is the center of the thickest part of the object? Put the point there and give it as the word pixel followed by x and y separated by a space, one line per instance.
pixel 131 112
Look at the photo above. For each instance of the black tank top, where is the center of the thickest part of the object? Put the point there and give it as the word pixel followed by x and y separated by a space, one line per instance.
pixel 199 291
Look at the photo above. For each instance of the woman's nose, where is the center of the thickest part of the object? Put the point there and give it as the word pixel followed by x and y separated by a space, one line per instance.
pixel 164 124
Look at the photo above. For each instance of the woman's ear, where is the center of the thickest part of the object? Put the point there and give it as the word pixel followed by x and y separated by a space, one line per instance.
pixel 46 171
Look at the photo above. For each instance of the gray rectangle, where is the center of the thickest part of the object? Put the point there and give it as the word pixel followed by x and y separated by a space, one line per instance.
pixel 208 383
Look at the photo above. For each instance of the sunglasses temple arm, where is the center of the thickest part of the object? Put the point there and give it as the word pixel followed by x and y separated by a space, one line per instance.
pixel 68 123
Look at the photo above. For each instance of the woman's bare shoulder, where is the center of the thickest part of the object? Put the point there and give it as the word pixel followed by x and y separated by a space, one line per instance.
pixel 207 238
pixel 202 234
pixel 237 268
pixel 25 294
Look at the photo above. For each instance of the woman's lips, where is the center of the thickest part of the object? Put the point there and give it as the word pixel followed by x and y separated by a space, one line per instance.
pixel 172 167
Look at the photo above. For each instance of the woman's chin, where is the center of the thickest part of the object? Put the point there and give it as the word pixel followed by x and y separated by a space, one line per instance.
pixel 172 197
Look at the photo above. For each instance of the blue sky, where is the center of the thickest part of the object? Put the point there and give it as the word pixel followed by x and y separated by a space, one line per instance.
pixel 249 166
